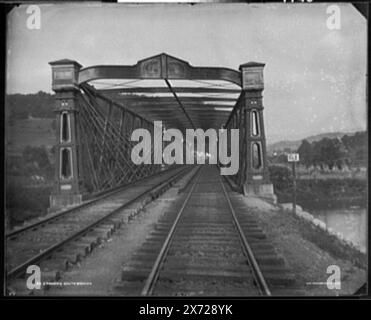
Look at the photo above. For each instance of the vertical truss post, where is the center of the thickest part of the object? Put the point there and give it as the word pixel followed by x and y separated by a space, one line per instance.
pixel 105 129
pixel 240 111
pixel 66 191
pixel 256 177
pixel 118 140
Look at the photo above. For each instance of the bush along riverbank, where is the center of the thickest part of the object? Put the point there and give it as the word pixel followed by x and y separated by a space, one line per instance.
pixel 317 193
pixel 326 238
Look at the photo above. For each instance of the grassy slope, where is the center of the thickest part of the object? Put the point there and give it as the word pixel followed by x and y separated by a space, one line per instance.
pixel 30 132
pixel 25 198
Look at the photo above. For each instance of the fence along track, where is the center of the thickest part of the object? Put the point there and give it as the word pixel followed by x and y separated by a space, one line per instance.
pixel 51 235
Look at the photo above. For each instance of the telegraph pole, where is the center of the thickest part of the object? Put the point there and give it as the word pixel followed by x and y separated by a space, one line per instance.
pixel 294 187
pixel 293 157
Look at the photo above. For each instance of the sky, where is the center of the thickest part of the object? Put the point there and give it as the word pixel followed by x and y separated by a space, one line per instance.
pixel 315 78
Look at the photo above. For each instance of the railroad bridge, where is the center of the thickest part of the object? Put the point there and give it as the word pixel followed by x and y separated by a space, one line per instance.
pixel 98 107
pixel 205 239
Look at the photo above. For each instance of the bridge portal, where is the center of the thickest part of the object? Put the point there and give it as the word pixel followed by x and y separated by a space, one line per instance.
pixel 98 107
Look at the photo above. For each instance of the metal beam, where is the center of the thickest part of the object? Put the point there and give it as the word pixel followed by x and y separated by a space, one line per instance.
pixel 172 109
pixel 235 108
pixel 107 99
pixel 205 116
pixel 180 115
pixel 176 89
pixel 162 66
pixel 166 100
pixel 169 105
pixel 179 102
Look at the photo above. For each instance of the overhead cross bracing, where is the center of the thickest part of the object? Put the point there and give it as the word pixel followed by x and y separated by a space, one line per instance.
pixel 168 89
pixel 180 104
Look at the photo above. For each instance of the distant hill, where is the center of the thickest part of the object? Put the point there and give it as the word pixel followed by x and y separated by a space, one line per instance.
pixel 295 144
pixel 29 121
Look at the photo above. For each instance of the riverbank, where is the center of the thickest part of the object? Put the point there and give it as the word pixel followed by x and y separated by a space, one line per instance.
pixel 320 194
pixel 309 250
pixel 350 223
pixel 319 232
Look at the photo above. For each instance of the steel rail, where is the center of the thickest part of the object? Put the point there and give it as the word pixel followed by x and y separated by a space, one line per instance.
pixel 100 196
pixel 20 269
pixel 258 275
pixel 155 271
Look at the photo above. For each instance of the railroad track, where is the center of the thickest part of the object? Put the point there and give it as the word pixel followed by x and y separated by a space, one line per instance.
pixel 206 244
pixel 62 240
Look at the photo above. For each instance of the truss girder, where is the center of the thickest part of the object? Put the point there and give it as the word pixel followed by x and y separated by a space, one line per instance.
pixel 106 144
pixel 103 119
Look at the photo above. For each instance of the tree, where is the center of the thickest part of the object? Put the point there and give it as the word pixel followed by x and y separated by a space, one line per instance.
pixel 280 176
pixel 328 151
pixel 356 147
pixel 20 106
pixel 306 153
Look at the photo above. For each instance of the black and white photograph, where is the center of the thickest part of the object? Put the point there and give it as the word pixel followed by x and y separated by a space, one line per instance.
pixel 186 150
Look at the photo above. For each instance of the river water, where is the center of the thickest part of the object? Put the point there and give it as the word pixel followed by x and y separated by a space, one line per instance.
pixel 351 223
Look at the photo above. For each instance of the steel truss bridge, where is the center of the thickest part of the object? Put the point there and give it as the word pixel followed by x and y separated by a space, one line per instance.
pixel 98 107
